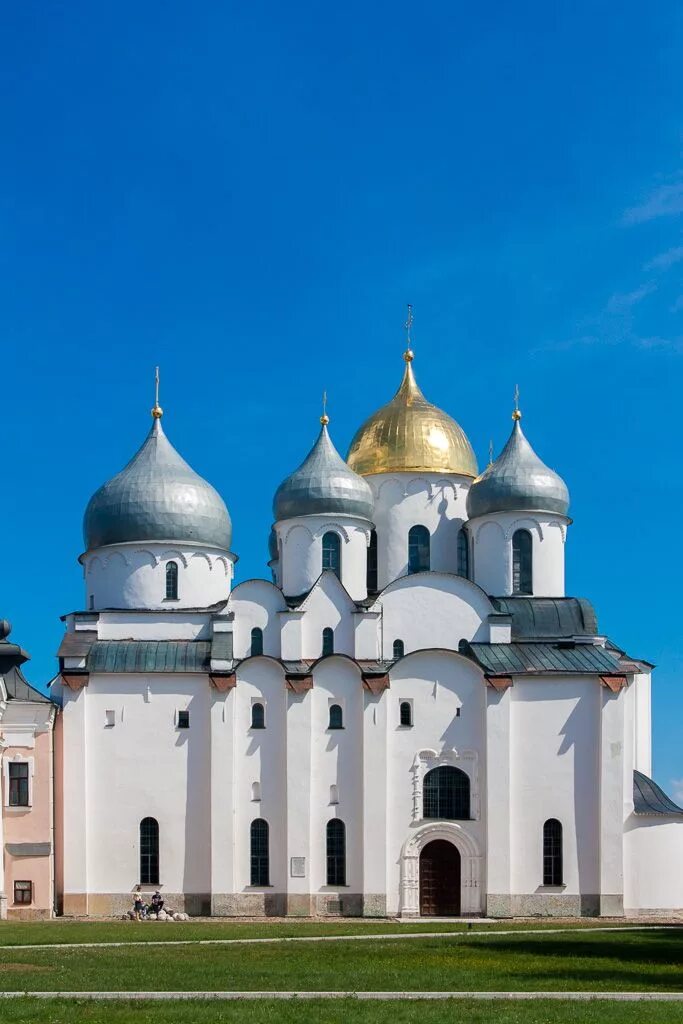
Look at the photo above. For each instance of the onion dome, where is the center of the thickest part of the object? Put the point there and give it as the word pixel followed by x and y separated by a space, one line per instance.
pixel 409 435
pixel 323 485
pixel 157 497
pixel 517 481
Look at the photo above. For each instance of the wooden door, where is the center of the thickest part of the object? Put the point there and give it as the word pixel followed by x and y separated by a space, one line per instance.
pixel 440 880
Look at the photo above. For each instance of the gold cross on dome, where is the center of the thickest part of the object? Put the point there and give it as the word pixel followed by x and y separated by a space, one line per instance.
pixel 409 323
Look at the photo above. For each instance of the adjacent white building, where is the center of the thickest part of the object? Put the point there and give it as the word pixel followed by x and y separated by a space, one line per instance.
pixel 410 718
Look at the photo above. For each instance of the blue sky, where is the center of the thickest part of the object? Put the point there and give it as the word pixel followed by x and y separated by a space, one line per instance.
pixel 248 195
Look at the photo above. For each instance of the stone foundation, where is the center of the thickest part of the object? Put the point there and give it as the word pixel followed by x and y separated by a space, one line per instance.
pixel 544 904
pixel 99 904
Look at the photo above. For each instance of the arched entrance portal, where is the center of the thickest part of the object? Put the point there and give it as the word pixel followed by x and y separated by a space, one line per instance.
pixel 440 879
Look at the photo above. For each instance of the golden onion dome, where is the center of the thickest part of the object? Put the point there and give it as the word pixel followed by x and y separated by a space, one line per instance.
pixel 409 435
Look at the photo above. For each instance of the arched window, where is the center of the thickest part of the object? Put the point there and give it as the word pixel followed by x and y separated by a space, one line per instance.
pixel 405 713
pixel 552 852
pixel 446 793
pixel 256 641
pixel 171 581
pixel 258 716
pixel 336 852
pixel 399 649
pixel 372 563
pixel 332 553
pixel 336 717
pixel 260 867
pixel 521 563
pixel 418 549
pixel 149 851
pixel 256 791
pixel 328 641
pixel 463 554
pixel 334 794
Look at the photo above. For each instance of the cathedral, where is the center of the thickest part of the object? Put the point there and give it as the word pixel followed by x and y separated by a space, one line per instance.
pixel 410 717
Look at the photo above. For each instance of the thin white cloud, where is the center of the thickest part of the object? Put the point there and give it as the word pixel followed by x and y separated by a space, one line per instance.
pixel 666 201
pixel 677 790
pixel 665 259
pixel 621 302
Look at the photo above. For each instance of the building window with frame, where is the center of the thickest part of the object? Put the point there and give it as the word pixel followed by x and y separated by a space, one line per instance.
pixel 372 575
pixel 171 581
pixel 18 784
pixel 418 549
pixel 336 720
pixel 183 719
pixel 23 892
pixel 328 641
pixel 405 713
pixel 332 553
pixel 463 554
pixel 446 794
pixel 260 859
pixel 258 716
pixel 399 649
pixel 522 562
pixel 552 852
pixel 336 852
pixel 256 641
pixel 149 851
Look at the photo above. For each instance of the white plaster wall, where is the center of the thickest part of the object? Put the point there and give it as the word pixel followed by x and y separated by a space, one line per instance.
pixel 642 720
pixel 260 756
pixel 438 683
pixel 256 603
pixel 432 610
pixel 163 625
pixel 403 500
pixel 134 576
pixel 327 605
pixel 492 551
pixel 653 855
pixel 146 766
pixel 555 741
pixel 301 562
pixel 336 759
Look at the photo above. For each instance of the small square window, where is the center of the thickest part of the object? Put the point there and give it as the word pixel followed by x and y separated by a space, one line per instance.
pixel 109 719
pixel 457 712
pixel 23 892
pixel 183 719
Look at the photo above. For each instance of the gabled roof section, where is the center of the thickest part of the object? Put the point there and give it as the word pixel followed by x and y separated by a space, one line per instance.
pixel 327 578
pixel 19 688
pixel 540 618
pixel 544 658
pixel 649 798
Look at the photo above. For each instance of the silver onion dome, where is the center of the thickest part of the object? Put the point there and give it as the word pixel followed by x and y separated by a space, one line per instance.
pixel 517 481
pixel 157 497
pixel 323 485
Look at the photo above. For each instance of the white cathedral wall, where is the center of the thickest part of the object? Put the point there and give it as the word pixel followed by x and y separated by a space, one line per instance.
pixel 653 854
pixel 555 728
pixel 492 551
pixel 403 500
pixel 301 562
pixel 120 625
pixel 327 606
pixel 134 576
pixel 256 603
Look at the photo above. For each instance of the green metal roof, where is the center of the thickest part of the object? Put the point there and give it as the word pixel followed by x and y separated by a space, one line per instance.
pixel 545 618
pixel 524 659
pixel 149 656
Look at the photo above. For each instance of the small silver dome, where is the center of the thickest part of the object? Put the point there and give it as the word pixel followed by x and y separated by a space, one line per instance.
pixel 323 485
pixel 157 497
pixel 517 481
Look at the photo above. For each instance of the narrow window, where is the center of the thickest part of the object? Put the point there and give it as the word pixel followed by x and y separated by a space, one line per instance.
pixel 328 641
pixel 149 851
pixel 171 581
pixel 446 794
pixel 18 784
pixel 258 716
pixel 552 852
pixel 336 717
pixel 260 867
pixel 110 719
pixel 334 794
pixel 256 641
pixel 256 791
pixel 399 649
pixel 372 563
pixel 332 553
pixel 418 549
pixel 183 719
pixel 336 852
pixel 406 713
pixel 521 563
pixel 23 892
pixel 463 554
pixel 91 602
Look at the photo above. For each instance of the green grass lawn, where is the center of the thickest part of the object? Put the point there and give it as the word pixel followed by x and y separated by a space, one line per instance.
pixel 649 960
pixel 61 930
pixel 35 1011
